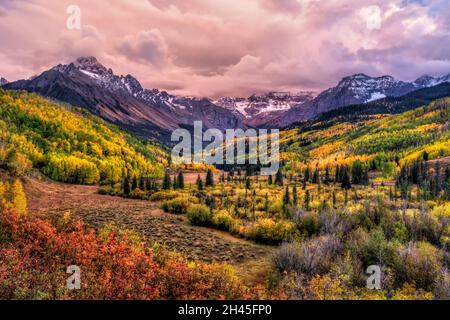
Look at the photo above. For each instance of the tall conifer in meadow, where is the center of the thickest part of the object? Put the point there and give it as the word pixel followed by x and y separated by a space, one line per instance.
pixel 209 182
pixel 166 181
pixel 279 177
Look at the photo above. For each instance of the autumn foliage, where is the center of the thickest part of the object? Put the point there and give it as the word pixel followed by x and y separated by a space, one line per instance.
pixel 34 256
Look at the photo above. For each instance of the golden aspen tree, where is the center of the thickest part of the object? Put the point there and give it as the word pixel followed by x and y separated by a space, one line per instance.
pixel 3 199
pixel 19 199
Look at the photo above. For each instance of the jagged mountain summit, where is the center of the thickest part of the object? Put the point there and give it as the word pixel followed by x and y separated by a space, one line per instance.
pixel 123 101
pixel 353 90
pixel 3 81
pixel 259 109
pixel 429 81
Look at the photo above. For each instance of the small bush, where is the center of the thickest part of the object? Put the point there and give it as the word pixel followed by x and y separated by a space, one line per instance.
pixel 288 257
pixel 423 226
pixel 106 189
pixel 222 220
pixel 307 223
pixel 271 232
pixel 419 264
pixel 373 248
pixel 199 215
pixel 163 195
pixel 442 286
pixel 311 257
pixel 139 194
pixel 177 206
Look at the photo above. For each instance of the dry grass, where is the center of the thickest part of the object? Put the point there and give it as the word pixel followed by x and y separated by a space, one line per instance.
pixel 48 198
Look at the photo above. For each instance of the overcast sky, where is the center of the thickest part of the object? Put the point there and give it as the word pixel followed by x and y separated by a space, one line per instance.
pixel 230 47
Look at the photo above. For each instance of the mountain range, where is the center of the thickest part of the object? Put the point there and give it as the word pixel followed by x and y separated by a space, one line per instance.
pixel 257 110
pixel 354 90
pixel 152 113
pixel 122 100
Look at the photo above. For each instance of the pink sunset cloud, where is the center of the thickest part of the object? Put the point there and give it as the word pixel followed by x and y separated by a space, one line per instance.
pixel 229 47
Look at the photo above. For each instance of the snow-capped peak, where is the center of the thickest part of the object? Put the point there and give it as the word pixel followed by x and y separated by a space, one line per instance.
pixel 264 106
pixel 3 81
pixel 363 88
pixel 429 81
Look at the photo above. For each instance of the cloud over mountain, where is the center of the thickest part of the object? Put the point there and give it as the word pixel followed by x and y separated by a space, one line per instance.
pixel 230 47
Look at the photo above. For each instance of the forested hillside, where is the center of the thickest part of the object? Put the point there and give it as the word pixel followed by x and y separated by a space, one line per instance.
pixel 348 195
pixel 382 141
pixel 69 144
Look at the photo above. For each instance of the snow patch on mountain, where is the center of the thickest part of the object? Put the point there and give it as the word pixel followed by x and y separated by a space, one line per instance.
pixel 90 74
pixel 264 105
pixel 376 96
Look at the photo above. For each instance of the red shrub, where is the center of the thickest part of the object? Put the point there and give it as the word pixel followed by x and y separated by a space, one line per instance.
pixel 34 256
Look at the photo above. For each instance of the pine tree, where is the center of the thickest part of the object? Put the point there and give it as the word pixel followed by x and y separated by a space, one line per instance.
pixel 166 181
pixel 141 183
pixel 286 202
pixel 334 199
pixel 425 156
pixel 279 177
pixel 209 178
pixel 365 178
pixel 307 174
pixel 126 186
pixel 327 175
pixel 315 177
pixel 246 202
pixel 437 176
pixel 357 172
pixel 148 184
pixel 247 183
pixel 253 205
pixel 236 206
pixel 175 182
pixel 307 200
pixel 180 181
pixel 447 174
pixel 134 183
pixel 266 204
pixel 345 179
pixel 155 186
pixel 447 184
pixel 304 183
pixel 337 177
pixel 199 183
pixel 373 165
